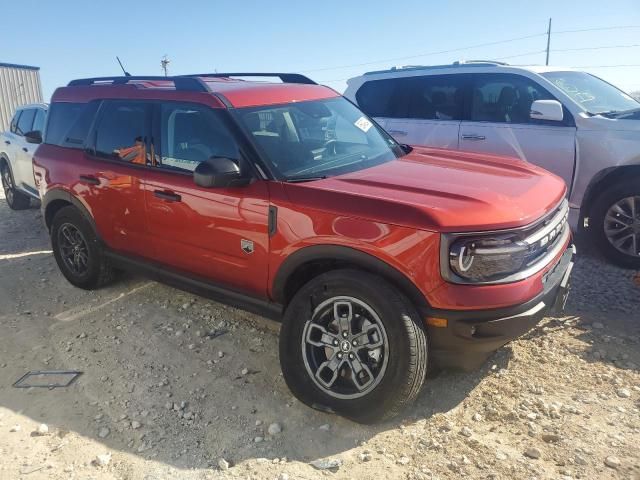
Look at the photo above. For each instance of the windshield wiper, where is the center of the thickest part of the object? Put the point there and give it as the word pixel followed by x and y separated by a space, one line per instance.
pixel 303 179
pixel 619 113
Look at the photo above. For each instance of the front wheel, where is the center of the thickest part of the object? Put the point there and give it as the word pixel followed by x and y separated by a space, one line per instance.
pixel 353 344
pixel 616 223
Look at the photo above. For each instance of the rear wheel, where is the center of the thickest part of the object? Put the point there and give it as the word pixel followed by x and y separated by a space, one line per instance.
pixel 616 223
pixel 353 344
pixel 77 250
pixel 15 199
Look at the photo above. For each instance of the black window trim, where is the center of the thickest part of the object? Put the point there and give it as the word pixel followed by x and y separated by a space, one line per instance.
pixel 248 155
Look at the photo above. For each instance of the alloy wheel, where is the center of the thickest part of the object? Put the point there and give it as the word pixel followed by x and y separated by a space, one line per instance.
pixel 7 185
pixel 622 225
pixel 73 249
pixel 345 347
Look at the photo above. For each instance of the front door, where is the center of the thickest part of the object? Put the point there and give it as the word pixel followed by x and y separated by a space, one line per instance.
pixel 216 233
pixel 499 123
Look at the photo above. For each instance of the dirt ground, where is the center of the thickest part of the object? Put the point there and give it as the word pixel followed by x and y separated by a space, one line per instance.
pixel 175 386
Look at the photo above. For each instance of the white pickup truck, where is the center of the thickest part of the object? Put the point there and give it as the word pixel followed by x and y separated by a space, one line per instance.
pixel 16 151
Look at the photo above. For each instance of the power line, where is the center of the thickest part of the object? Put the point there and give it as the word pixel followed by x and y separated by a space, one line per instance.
pixel 499 42
pixel 604 47
pixel 620 27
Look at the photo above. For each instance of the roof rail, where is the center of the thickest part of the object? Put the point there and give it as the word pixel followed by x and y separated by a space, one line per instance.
pixel 180 83
pixel 477 62
pixel 284 77
pixel 468 63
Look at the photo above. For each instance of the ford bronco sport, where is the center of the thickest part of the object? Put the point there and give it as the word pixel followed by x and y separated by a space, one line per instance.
pixel 285 199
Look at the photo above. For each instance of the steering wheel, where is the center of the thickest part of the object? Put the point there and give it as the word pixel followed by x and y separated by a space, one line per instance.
pixel 330 146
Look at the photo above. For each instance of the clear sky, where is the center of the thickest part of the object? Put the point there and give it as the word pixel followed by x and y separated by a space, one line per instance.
pixel 80 38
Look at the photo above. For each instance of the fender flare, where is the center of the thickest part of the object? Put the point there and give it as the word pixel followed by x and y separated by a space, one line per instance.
pixel 350 256
pixel 57 194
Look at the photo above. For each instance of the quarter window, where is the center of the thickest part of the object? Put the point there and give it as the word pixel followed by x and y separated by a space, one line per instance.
pixel 121 131
pixel 26 121
pixel 505 98
pixel 192 134
pixel 69 123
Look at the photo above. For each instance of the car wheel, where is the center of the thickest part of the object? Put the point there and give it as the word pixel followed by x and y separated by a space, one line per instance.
pixel 77 250
pixel 616 223
pixel 15 199
pixel 352 344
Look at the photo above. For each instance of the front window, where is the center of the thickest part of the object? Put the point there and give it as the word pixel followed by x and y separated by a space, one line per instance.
pixel 594 95
pixel 317 139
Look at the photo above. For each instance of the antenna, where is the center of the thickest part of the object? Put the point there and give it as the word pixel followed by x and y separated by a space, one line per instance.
pixel 126 74
pixel 164 63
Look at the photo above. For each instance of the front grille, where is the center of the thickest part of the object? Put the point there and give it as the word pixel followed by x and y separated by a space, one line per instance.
pixel 545 235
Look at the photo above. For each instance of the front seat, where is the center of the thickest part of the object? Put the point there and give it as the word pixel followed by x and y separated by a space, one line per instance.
pixel 506 102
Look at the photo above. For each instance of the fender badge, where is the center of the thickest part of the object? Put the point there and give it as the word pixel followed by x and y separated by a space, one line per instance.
pixel 247 246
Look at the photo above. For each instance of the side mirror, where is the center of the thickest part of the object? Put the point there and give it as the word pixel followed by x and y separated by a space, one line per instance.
pixel 547 110
pixel 219 172
pixel 34 136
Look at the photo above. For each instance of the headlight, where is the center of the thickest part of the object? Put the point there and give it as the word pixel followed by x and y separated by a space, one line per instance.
pixel 504 256
pixel 482 259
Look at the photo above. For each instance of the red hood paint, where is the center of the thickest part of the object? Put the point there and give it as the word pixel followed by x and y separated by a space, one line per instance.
pixel 440 190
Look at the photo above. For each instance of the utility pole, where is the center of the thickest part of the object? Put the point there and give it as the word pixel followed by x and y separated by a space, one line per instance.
pixel 164 63
pixel 548 41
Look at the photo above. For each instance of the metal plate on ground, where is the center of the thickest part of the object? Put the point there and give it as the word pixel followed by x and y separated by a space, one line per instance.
pixel 48 379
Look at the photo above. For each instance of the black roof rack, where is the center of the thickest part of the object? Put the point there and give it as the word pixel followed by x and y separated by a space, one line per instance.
pixel 468 63
pixel 184 83
pixel 284 77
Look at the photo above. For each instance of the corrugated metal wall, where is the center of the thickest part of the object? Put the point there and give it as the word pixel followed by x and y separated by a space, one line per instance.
pixel 19 85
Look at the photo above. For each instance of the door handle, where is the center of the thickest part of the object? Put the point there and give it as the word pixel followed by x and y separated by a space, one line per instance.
pixel 7 142
pixel 25 149
pixel 473 137
pixel 91 180
pixel 398 132
pixel 167 196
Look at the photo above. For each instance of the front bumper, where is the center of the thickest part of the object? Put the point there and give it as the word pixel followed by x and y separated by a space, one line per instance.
pixel 471 336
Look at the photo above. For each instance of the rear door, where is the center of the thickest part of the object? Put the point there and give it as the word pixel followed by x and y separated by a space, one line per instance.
pixel 220 234
pixel 499 122
pixel 110 177
pixel 431 113
pixel 421 110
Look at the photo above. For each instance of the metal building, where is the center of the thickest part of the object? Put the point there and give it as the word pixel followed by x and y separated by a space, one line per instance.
pixel 19 85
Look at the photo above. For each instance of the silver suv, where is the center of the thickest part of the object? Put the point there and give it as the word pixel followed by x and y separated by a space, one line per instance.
pixel 572 123
pixel 16 151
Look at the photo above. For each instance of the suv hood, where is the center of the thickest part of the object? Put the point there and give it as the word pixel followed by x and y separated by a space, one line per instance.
pixel 439 190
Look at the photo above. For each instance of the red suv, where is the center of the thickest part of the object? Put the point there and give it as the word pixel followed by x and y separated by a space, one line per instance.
pixel 285 199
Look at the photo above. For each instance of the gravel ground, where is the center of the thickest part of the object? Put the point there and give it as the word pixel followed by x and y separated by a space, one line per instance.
pixel 178 386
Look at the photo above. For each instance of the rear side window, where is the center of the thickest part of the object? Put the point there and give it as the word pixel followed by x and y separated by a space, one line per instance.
pixel 435 97
pixel 121 132
pixel 25 122
pixel 38 122
pixel 69 123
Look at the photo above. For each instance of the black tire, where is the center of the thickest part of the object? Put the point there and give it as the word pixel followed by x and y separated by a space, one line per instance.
pixel 96 269
pixel 406 358
pixel 614 194
pixel 15 199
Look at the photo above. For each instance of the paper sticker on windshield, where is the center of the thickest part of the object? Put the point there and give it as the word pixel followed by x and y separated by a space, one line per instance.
pixel 363 124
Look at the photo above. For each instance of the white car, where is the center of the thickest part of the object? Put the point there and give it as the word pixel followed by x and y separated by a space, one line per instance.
pixel 16 151
pixel 572 123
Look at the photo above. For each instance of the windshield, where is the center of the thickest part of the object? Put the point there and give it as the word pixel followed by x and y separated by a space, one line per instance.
pixel 591 93
pixel 316 139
